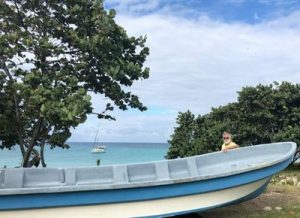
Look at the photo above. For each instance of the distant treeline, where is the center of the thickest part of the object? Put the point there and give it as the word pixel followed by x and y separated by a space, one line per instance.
pixel 262 114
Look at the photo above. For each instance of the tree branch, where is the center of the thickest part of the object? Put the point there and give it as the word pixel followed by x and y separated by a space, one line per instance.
pixel 21 21
pixel 18 120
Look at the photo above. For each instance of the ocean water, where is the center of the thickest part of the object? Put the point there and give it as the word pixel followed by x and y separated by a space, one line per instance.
pixel 79 154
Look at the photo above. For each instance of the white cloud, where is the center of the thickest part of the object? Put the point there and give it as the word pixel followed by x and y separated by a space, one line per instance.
pixel 195 63
pixel 200 63
pixel 291 22
pixel 127 128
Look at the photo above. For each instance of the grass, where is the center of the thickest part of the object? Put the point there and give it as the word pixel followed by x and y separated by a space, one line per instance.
pixel 284 196
pixel 290 172
pixel 276 195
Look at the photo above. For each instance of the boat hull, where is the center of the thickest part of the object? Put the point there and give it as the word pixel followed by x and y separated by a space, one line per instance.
pixel 164 188
pixel 151 208
pixel 110 196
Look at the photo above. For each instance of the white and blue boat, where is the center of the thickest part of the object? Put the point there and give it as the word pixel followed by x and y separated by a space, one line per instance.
pixel 99 149
pixel 154 189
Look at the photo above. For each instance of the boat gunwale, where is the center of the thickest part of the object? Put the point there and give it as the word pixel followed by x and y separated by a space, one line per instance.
pixel 169 181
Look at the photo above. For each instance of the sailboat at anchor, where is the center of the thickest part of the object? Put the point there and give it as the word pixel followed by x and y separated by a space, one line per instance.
pixel 98 148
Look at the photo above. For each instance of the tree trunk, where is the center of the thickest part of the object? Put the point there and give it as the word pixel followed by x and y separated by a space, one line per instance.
pixel 42 154
pixel 16 104
pixel 35 159
pixel 30 148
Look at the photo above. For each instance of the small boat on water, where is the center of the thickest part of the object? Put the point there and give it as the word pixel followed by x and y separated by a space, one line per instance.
pixel 99 149
pixel 153 189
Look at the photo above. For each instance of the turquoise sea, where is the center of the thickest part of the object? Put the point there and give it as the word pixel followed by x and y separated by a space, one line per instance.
pixel 79 154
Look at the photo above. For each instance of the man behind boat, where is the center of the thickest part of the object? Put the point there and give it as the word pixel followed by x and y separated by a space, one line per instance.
pixel 227 142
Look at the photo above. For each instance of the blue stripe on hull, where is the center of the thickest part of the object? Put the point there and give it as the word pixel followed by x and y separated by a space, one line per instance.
pixel 240 200
pixel 26 201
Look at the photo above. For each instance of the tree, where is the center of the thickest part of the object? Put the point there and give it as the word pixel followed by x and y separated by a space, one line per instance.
pixel 182 138
pixel 52 55
pixel 263 114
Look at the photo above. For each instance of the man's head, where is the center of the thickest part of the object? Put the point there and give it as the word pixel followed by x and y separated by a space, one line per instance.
pixel 226 137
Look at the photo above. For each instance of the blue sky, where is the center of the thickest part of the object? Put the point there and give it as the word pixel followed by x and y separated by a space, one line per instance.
pixel 201 53
pixel 248 11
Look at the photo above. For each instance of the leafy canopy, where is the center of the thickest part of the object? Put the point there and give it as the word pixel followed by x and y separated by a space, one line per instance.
pixel 52 54
pixel 262 114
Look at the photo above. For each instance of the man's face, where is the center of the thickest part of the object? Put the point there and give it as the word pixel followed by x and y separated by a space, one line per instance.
pixel 226 138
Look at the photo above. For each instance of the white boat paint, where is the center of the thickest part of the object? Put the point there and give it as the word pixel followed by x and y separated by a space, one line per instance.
pixel 142 208
pixel 167 187
pixel 99 149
